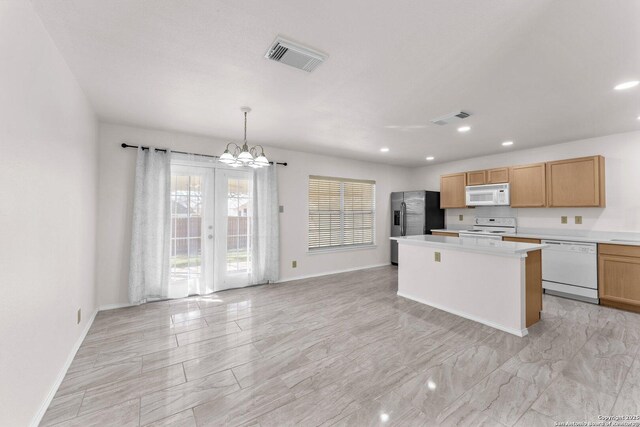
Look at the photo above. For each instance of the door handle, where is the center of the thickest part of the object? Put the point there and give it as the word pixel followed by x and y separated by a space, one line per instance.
pixel 403 219
pixel 210 236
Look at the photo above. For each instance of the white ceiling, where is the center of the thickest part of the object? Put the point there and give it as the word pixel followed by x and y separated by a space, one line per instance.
pixel 536 72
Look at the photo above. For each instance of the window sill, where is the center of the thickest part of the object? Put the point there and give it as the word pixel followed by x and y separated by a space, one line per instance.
pixel 340 249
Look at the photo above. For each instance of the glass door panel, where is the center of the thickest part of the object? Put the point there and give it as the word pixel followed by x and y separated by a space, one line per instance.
pixel 235 208
pixel 191 228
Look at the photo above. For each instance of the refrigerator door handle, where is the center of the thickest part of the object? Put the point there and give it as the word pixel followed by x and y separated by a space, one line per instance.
pixel 403 219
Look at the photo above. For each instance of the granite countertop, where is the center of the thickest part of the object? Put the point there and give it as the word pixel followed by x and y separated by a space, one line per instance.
pixel 613 237
pixel 496 247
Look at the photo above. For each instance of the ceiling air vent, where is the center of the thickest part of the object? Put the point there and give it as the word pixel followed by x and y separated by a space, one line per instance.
pixel 450 118
pixel 295 55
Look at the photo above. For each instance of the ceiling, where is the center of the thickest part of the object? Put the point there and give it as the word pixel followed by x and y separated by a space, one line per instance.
pixel 537 72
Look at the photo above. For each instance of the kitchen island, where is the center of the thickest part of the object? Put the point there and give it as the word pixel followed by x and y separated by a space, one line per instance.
pixel 492 282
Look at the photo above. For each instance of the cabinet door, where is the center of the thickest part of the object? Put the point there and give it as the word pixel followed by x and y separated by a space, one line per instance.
pixel 619 281
pixel 476 178
pixel 498 176
pixel 576 182
pixel 528 189
pixel 452 192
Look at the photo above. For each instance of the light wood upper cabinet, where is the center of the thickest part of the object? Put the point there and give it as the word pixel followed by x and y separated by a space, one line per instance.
pixel 477 178
pixel 498 176
pixel 576 182
pixel 563 183
pixel 528 186
pixel 452 191
pixel 619 276
pixel 491 176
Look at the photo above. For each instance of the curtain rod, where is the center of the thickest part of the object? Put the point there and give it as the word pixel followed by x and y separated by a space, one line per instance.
pixel 125 145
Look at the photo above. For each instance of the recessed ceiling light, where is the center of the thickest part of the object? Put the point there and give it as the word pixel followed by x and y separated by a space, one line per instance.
pixel 627 85
pixel 638 117
pixel 430 158
pixel 507 143
pixel 384 149
pixel 464 128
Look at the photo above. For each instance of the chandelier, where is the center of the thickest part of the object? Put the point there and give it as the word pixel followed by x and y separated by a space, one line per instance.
pixel 244 156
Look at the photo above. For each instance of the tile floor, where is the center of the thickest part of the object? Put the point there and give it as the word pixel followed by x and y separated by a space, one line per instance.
pixel 345 350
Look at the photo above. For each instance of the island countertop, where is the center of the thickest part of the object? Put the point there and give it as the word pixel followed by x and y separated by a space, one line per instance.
pixel 470 244
pixel 624 238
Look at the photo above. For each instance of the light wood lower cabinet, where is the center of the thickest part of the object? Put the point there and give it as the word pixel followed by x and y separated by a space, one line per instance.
pixel 528 186
pixel 619 276
pixel 452 191
pixel 533 266
pixel 444 233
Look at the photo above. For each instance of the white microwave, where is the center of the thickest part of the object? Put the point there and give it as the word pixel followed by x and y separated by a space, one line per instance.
pixel 487 195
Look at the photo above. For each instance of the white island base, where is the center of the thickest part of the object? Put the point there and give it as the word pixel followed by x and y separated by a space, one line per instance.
pixel 495 283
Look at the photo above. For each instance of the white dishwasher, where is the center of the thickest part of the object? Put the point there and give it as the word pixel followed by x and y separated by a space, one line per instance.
pixel 570 269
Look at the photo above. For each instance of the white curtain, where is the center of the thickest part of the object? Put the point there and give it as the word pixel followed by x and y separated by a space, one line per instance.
pixel 265 245
pixel 150 240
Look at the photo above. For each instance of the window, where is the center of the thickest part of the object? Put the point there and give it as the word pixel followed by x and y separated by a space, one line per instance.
pixel 341 212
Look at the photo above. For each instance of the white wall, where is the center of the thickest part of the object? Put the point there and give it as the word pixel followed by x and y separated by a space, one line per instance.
pixel 117 168
pixel 48 182
pixel 622 158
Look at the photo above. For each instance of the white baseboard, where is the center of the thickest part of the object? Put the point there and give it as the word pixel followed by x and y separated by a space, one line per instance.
pixel 45 405
pixel 113 306
pixel 326 273
pixel 516 332
pixel 289 279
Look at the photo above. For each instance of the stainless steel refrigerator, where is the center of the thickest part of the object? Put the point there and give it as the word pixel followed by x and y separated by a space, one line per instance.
pixel 413 213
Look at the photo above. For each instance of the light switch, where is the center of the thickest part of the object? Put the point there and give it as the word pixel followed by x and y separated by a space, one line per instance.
pixel 460 217
pixel 281 208
pixel 578 219
pixel 294 264
pixel 563 220
pixel 436 256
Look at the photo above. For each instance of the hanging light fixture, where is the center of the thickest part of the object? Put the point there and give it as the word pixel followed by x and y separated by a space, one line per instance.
pixel 244 156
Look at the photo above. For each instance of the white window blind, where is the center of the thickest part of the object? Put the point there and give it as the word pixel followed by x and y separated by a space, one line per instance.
pixel 341 212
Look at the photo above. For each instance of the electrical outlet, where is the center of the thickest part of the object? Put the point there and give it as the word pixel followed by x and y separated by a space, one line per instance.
pixel 563 220
pixel 281 209
pixel 294 264
pixel 79 315
pixel 460 217
pixel 578 219
pixel 436 256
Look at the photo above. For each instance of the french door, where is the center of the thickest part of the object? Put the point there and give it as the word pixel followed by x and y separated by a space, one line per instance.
pixel 211 211
pixel 192 231
pixel 234 212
